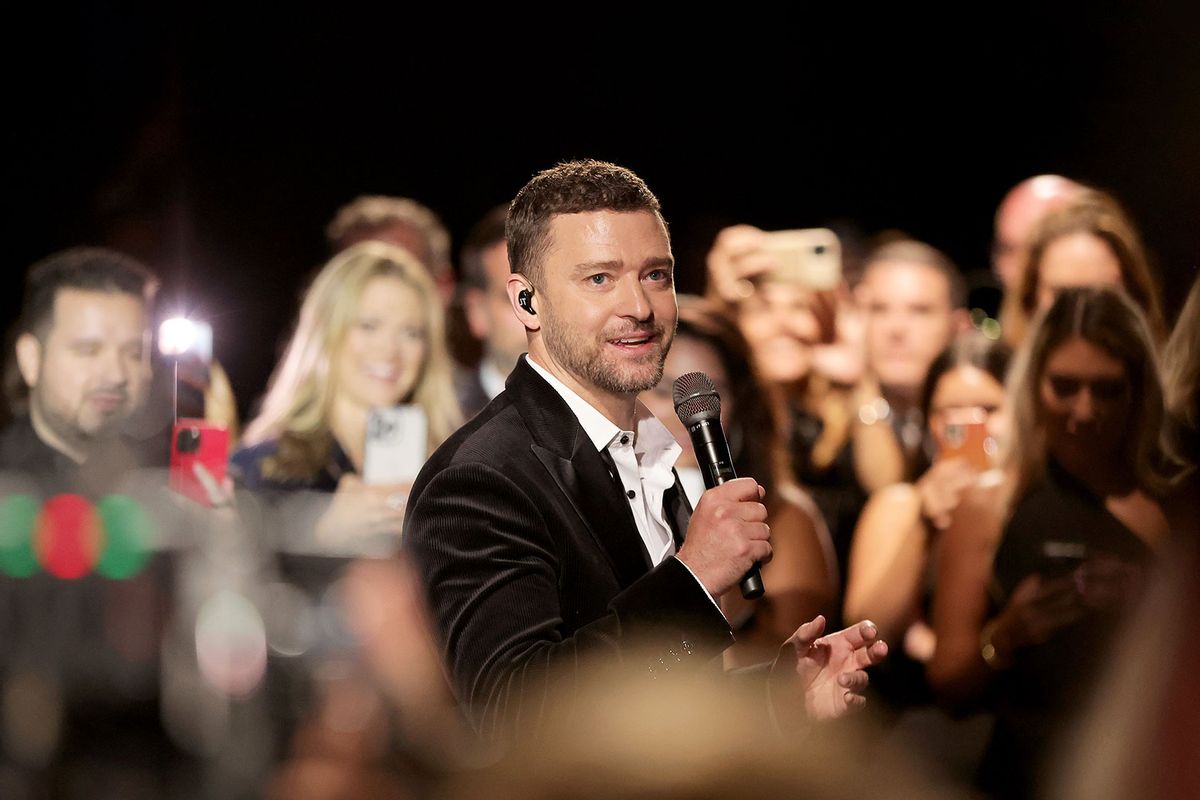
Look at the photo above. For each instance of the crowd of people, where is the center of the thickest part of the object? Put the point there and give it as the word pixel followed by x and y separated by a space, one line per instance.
pixel 1006 495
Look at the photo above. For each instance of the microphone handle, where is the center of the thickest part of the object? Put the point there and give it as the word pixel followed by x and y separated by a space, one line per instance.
pixel 716 464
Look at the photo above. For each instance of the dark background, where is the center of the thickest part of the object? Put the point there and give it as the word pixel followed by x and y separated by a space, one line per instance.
pixel 217 143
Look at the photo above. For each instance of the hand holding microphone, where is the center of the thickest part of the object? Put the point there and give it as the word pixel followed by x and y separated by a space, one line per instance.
pixel 728 536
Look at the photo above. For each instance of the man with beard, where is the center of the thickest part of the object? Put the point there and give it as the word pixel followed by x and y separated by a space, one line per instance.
pixel 80 635
pixel 550 527
pixel 80 368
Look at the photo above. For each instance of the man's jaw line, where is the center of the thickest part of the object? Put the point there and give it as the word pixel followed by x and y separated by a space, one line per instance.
pixel 618 408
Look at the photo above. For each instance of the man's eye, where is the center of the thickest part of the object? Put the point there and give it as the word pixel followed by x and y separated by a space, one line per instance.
pixel 86 349
pixel 598 280
pixel 659 275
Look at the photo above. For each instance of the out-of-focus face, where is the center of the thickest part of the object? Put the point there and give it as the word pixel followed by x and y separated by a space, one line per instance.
pixel 968 396
pixel 688 355
pixel 490 314
pixel 1085 399
pixel 1020 212
pixel 909 321
pixel 381 356
pixel 781 327
pixel 91 369
pixel 1077 259
pixel 607 300
pixel 400 234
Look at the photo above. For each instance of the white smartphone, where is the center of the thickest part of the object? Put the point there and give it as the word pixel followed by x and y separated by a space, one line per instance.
pixel 397 439
pixel 811 257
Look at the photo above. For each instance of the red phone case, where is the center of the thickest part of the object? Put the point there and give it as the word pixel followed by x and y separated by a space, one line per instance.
pixel 195 441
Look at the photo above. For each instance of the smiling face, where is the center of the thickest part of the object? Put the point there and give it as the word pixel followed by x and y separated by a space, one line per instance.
pixel 606 304
pixel 1085 398
pixel 781 327
pixel 379 359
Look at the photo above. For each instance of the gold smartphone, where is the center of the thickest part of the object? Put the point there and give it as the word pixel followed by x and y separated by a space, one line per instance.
pixel 811 257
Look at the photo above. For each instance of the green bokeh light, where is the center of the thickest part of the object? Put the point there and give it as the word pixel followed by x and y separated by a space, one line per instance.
pixel 18 513
pixel 126 537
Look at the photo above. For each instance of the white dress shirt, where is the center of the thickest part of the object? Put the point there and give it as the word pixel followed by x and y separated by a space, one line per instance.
pixel 644 458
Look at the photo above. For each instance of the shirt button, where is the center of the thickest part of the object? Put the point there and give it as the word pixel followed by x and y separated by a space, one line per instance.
pixel 631 494
pixel 624 439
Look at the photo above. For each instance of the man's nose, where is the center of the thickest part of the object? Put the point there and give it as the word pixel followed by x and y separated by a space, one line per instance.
pixel 114 368
pixel 634 301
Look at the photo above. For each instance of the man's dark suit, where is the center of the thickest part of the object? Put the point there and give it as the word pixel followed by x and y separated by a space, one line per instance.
pixel 531 557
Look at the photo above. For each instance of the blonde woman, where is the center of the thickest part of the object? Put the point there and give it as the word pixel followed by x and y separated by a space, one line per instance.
pixel 370 335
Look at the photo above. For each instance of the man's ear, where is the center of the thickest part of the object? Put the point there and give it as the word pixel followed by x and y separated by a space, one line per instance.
pixel 960 321
pixel 518 283
pixel 29 358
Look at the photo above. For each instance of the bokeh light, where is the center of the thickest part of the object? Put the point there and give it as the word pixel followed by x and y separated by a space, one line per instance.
pixel 68 536
pixel 127 536
pixel 18 514
pixel 231 644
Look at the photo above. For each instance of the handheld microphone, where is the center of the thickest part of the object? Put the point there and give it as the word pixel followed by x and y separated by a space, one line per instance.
pixel 699 408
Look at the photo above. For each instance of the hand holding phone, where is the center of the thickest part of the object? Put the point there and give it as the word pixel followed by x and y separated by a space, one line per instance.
pixel 197 442
pixel 963 433
pixel 397 440
pixel 811 258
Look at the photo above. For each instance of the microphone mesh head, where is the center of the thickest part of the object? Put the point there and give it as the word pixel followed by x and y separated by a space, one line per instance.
pixel 696 398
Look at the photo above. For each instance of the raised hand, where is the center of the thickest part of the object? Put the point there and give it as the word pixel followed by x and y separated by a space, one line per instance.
pixel 828 671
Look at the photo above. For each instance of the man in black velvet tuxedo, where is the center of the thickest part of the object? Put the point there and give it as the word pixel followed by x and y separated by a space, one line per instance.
pixel 551 525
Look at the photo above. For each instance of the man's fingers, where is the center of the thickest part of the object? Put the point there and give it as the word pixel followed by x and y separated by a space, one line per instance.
pixel 739 489
pixel 807 633
pixel 854 701
pixel 870 656
pixel 752 512
pixel 855 681
pixel 859 635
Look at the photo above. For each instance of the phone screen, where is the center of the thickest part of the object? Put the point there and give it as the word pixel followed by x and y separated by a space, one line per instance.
pixel 397 440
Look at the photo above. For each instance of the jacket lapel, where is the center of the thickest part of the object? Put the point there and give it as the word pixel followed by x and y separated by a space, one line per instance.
pixel 564 449
pixel 603 510
pixel 677 510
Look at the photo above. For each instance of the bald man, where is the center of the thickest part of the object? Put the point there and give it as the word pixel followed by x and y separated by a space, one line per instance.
pixel 1018 215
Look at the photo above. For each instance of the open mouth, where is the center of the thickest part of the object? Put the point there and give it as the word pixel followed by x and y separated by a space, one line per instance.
pixel 382 373
pixel 636 342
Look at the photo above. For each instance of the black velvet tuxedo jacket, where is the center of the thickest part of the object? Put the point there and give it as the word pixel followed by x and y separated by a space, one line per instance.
pixel 531 558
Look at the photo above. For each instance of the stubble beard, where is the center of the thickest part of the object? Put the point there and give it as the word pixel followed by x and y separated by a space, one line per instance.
pixel 586 360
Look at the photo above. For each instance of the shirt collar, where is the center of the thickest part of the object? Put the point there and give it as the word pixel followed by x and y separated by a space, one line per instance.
pixel 651 437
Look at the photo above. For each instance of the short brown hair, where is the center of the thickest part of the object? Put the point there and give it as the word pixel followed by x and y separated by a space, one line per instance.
pixel 910 251
pixel 573 187
pixel 356 220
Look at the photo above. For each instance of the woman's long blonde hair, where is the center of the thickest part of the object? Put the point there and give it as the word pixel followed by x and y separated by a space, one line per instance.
pixel 299 398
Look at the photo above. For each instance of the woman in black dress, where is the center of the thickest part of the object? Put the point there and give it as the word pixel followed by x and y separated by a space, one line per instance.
pixel 1036 572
